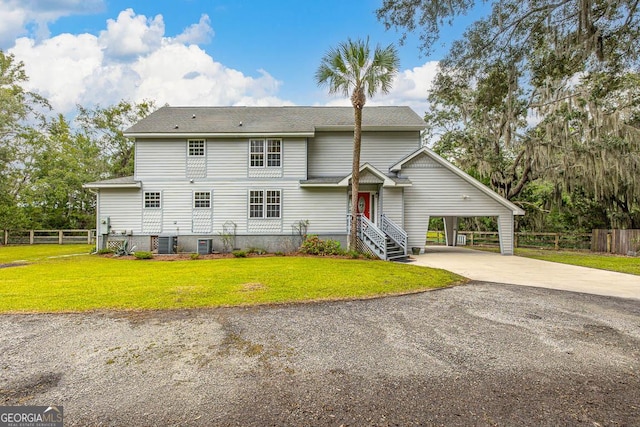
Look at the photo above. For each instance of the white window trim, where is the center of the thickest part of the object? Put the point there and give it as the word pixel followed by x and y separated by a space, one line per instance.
pixel 264 204
pixel 196 200
pixel 204 148
pixel 265 152
pixel 144 200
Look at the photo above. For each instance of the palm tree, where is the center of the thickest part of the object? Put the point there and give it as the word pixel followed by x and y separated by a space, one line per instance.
pixel 350 70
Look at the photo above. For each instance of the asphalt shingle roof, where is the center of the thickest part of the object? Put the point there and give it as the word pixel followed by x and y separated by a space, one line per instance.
pixel 194 120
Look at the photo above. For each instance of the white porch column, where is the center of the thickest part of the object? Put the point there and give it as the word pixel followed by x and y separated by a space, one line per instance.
pixel 505 231
pixel 451 229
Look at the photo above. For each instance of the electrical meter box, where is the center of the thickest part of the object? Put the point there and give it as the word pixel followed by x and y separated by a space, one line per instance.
pixel 105 225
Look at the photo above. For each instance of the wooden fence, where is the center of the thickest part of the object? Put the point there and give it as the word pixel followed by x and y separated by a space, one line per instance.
pixel 554 241
pixel 60 237
pixel 623 242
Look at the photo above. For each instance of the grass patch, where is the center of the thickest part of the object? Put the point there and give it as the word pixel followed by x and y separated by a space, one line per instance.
pixel 88 282
pixel 37 252
pixel 621 264
pixel 618 263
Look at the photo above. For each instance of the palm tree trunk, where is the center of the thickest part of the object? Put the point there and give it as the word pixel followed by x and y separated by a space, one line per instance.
pixel 355 176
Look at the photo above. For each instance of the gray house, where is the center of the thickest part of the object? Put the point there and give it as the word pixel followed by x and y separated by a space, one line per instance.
pixel 257 174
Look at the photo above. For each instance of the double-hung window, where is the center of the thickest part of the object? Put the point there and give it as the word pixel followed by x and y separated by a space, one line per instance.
pixel 265 204
pixel 152 200
pixel 202 199
pixel 195 147
pixel 265 152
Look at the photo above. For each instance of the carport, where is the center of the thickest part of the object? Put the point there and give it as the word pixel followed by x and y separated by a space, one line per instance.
pixel 439 189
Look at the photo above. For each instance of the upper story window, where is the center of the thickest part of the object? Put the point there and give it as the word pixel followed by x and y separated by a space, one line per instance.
pixel 196 147
pixel 265 204
pixel 202 199
pixel 152 200
pixel 265 152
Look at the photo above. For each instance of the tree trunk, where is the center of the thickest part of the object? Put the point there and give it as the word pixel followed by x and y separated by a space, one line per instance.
pixel 355 176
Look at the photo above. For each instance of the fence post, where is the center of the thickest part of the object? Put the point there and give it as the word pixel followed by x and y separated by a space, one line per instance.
pixel 31 235
pixel 6 237
pixel 515 240
pixel 88 237
pixel 471 238
pixel 557 242
pixel 60 235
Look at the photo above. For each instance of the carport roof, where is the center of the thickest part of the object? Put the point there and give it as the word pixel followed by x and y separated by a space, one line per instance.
pixel 480 186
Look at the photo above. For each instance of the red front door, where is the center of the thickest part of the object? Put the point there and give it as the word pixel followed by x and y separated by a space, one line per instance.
pixel 364 204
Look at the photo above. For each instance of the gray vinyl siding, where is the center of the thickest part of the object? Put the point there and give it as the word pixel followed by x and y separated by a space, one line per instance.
pixel 505 228
pixel 330 153
pixel 230 204
pixel 160 159
pixel 324 208
pixel 294 158
pixel 227 158
pixel 436 191
pixel 123 207
pixel 166 160
pixel 392 205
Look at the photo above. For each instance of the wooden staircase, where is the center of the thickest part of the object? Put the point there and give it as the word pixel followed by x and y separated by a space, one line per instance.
pixel 389 242
pixel 395 252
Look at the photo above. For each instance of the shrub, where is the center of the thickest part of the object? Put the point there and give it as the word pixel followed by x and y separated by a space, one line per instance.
pixel 354 254
pixel 239 254
pixel 257 251
pixel 104 251
pixel 143 255
pixel 313 245
pixel 195 256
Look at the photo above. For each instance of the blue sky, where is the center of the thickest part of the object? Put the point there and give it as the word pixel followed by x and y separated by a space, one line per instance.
pixel 197 52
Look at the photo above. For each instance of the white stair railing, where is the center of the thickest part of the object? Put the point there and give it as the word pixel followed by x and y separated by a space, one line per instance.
pixel 394 231
pixel 370 235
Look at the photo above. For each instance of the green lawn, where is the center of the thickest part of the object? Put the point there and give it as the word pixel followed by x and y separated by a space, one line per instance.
pixel 36 252
pixel 90 282
pixel 622 264
pixel 619 263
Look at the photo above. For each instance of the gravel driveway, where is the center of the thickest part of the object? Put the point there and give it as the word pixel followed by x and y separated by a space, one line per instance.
pixel 478 354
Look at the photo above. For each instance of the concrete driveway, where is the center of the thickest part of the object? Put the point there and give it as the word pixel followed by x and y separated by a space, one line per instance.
pixel 492 267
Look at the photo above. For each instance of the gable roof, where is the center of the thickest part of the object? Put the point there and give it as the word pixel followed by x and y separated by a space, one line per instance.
pixel 471 180
pixel 343 181
pixel 269 121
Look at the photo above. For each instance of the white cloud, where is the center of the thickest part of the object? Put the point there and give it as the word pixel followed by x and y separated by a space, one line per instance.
pixel 199 33
pixel 410 87
pixel 18 15
pixel 131 35
pixel 58 67
pixel 80 69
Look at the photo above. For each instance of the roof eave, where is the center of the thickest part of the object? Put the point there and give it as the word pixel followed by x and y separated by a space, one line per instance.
pixel 321 184
pixel 98 185
pixel 409 128
pixel 165 135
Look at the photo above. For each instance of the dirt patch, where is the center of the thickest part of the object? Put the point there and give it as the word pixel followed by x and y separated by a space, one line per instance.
pixel 13 264
pixel 188 256
pixel 252 287
pixel 28 388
